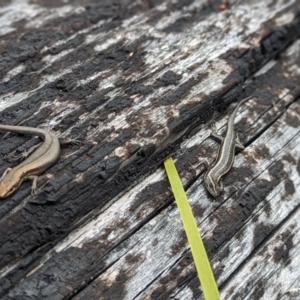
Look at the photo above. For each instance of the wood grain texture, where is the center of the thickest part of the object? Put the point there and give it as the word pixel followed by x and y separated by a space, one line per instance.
pixel 139 81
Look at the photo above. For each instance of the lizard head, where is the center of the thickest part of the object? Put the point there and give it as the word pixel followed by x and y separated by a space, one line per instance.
pixel 212 186
pixel 8 184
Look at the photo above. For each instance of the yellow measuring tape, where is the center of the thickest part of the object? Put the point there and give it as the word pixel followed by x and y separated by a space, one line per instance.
pixel 205 274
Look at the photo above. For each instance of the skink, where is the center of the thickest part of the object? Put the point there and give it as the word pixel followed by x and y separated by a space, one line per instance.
pixel 45 155
pixel 225 156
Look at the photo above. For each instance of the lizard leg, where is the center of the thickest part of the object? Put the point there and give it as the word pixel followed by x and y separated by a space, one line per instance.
pixel 34 187
pixel 217 137
pixel 214 133
pixel 68 141
pixel 204 162
pixel 25 154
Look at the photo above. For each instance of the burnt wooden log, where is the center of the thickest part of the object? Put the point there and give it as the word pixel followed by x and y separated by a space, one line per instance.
pixel 139 81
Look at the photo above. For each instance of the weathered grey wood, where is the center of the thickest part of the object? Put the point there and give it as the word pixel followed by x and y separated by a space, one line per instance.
pixel 152 259
pixel 138 85
pixel 114 216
